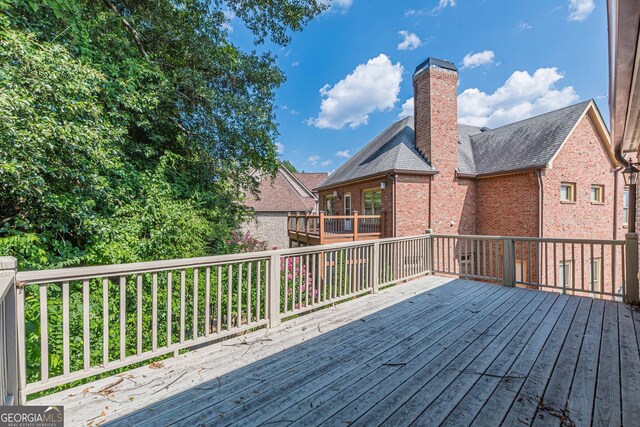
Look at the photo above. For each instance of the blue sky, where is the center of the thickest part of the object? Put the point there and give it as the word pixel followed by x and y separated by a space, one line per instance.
pixel 349 71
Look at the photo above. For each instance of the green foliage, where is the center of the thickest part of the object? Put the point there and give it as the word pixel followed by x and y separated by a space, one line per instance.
pixel 289 166
pixel 128 132
pixel 129 128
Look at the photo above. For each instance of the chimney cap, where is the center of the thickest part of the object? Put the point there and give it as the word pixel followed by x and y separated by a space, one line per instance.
pixel 438 63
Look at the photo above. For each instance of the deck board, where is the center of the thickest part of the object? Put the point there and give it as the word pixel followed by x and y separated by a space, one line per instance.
pixel 433 351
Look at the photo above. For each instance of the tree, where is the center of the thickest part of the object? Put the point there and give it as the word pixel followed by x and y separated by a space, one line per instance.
pixel 289 166
pixel 129 127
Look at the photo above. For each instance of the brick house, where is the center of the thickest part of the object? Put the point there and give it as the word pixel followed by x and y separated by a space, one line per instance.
pixel 553 175
pixel 288 192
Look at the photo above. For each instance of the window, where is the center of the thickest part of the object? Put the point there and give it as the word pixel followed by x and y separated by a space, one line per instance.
pixel 596 273
pixel 566 274
pixel 625 206
pixel 597 193
pixel 347 204
pixel 372 202
pixel 330 205
pixel 568 192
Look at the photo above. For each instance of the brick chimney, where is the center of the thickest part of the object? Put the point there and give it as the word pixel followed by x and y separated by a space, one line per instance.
pixel 436 113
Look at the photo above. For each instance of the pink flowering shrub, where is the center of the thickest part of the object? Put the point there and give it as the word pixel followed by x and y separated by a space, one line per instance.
pixel 296 285
pixel 244 242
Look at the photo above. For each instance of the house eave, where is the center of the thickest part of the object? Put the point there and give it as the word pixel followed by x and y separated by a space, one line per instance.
pixel 374 176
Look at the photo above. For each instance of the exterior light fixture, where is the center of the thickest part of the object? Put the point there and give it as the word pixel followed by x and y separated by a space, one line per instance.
pixel 630 174
pixel 383 185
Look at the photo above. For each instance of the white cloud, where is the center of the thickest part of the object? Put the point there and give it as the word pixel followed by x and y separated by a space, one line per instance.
pixel 407 109
pixel 410 41
pixel 433 12
pixel 337 5
pixel 326 162
pixel 579 10
pixel 373 86
pixel 522 96
pixel 228 17
pixel 314 159
pixel 343 153
pixel 295 64
pixel 441 5
pixel 523 26
pixel 279 147
pixel 473 60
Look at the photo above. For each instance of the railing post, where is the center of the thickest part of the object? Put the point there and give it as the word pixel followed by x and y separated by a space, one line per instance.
pixel 430 255
pixel 321 228
pixel 508 262
pixel 355 226
pixel 631 278
pixel 8 298
pixel 274 291
pixel 376 266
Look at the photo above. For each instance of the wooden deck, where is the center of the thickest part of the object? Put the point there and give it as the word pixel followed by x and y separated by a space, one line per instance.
pixel 429 352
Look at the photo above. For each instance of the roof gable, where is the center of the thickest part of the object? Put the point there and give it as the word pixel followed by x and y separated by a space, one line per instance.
pixel 284 193
pixel 392 150
pixel 526 144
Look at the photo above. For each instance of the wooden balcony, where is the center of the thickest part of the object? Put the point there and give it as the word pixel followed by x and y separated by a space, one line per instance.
pixel 241 339
pixel 327 229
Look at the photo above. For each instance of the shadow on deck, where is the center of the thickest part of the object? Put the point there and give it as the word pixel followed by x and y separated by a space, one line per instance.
pixel 431 351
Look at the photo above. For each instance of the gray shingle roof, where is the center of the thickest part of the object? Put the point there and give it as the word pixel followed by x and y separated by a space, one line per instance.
pixel 393 149
pixel 525 144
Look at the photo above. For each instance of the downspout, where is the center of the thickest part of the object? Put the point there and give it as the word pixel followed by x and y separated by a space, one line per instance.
pixel 540 202
pixel 615 203
pixel 393 208
pixel 540 217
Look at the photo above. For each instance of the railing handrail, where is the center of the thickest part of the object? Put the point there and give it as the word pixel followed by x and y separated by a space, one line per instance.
pixel 532 239
pixel 80 273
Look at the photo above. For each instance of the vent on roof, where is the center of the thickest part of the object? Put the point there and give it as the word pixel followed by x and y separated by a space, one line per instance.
pixel 484 129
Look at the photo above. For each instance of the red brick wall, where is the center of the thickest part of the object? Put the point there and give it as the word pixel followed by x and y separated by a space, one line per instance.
pixel 412 204
pixel 582 160
pixel 507 205
pixel 436 126
pixel 356 190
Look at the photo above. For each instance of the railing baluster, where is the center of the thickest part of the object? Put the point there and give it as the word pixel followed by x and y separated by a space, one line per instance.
pixel 582 265
pixel 229 291
pixel 169 310
pixel 123 318
pixel 183 280
pixel 195 303
pixel 86 349
pixel 249 273
pixel 44 335
pixel 258 290
pixel 65 329
pixel 286 283
pixel 105 322
pixel 154 312
pixel 219 301
pixel 306 281
pixel 207 301
pixel 139 314
pixel 239 320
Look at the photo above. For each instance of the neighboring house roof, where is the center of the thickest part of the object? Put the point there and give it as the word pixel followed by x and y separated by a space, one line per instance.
pixel 311 180
pixel 392 150
pixel 527 144
pixel 288 192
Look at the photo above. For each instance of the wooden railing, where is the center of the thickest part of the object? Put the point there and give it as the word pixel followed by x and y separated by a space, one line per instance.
pixel 581 267
pixel 325 229
pixel 59 326
pixel 8 333
pixel 76 323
